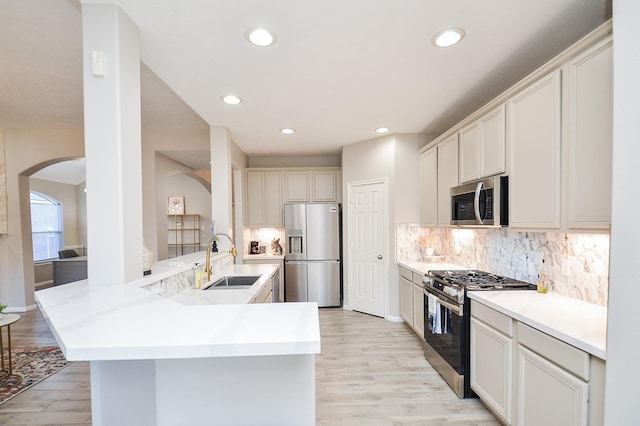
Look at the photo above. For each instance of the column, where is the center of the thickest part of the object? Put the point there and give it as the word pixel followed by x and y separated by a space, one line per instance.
pixel 111 74
pixel 221 183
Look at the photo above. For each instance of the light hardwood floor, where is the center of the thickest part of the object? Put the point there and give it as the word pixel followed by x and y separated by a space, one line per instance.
pixel 370 372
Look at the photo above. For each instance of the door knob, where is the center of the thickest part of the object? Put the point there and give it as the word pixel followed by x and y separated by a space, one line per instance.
pixel 379 256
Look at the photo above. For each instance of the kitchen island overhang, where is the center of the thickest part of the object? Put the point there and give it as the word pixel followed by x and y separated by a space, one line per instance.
pixel 186 362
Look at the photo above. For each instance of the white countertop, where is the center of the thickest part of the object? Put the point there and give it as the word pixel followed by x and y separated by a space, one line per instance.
pixel 424 267
pixel 578 323
pixel 118 322
pixel 264 256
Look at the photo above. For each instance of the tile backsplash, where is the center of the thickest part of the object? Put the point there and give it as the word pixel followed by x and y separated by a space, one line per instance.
pixel 577 263
pixel 264 236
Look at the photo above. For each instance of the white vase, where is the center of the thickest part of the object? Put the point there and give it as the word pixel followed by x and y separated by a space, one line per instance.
pixel 428 251
pixel 147 260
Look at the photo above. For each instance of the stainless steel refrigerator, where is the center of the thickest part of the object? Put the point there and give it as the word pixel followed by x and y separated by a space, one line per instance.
pixel 312 263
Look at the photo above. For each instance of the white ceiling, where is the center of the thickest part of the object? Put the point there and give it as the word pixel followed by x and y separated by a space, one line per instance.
pixel 339 68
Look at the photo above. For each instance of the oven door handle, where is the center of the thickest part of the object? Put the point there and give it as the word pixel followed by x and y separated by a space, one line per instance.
pixel 476 203
pixel 454 308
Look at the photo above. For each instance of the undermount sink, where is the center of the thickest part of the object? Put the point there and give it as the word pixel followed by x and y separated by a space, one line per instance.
pixel 234 282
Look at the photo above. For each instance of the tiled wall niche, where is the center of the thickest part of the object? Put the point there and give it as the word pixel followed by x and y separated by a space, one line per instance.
pixel 577 263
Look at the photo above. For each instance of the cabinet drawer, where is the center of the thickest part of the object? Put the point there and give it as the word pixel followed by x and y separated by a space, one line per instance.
pixel 564 355
pixel 417 278
pixel 495 319
pixel 404 272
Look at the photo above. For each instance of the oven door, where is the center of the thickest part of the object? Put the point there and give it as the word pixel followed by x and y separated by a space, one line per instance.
pixel 444 329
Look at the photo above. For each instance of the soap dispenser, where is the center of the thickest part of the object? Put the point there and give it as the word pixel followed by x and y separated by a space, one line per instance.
pixel 543 279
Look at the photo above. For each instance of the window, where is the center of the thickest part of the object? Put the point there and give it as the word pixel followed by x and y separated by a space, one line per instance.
pixel 46 227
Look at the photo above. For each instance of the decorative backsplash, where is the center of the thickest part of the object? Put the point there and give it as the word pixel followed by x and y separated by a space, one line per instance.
pixel 264 236
pixel 578 264
pixel 184 280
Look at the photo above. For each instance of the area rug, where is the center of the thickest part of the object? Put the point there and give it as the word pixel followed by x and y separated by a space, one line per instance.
pixel 34 364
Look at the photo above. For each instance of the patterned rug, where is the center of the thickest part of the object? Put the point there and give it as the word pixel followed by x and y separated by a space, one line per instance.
pixel 34 364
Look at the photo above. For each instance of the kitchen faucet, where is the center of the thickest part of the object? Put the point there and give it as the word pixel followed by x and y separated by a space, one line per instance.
pixel 214 238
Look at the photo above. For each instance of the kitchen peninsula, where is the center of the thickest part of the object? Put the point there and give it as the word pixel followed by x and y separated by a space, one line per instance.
pixel 175 360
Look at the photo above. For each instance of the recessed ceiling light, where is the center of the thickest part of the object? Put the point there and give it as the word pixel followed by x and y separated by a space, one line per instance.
pixel 260 37
pixel 231 99
pixel 287 131
pixel 382 130
pixel 448 37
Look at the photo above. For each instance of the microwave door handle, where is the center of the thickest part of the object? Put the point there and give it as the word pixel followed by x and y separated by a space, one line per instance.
pixel 476 203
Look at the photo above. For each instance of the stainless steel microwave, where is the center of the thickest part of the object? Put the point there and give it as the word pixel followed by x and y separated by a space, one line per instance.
pixel 481 203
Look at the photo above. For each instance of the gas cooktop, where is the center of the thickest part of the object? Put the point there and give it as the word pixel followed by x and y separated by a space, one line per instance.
pixel 478 280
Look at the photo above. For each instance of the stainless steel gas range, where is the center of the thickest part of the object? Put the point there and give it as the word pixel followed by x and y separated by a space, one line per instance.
pixel 447 320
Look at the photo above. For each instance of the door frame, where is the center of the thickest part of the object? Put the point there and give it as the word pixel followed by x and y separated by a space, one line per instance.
pixel 385 232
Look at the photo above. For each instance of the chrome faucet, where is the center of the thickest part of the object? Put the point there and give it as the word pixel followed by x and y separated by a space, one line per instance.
pixel 213 238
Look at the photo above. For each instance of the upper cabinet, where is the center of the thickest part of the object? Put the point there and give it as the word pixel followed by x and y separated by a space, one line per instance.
pixel 589 133
pixel 316 185
pixel 533 134
pixel 429 187
pixel 296 186
pixel 438 174
pixel 482 146
pixel 447 177
pixel 264 198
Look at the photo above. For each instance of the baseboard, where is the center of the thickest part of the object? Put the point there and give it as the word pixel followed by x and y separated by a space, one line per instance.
pixel 394 318
pixel 21 309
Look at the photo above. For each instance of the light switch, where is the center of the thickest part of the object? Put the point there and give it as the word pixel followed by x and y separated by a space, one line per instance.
pixel 565 267
pixel 97 63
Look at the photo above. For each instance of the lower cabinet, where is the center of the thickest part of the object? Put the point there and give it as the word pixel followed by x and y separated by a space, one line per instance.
pixel 491 360
pixel 265 294
pixel 549 395
pixel 278 282
pixel 411 300
pixel 406 300
pixel 529 378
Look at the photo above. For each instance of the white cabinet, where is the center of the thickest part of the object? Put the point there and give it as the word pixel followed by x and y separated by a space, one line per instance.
pixel 491 359
pixel 412 300
pixel 529 378
pixel 553 381
pixel 547 394
pixel 406 300
pixel 324 186
pixel 264 198
pixel 429 187
pixel 296 186
pixel 589 136
pixel 447 177
pixel 418 310
pixel 533 135
pixel 320 186
pixel 482 146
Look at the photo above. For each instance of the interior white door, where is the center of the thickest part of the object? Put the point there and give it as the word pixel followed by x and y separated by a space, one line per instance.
pixel 367 242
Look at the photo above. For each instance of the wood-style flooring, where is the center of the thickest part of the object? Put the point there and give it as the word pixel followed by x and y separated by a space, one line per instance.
pixel 370 372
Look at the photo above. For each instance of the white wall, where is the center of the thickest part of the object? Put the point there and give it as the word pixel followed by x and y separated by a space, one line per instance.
pixel 27 151
pixel 395 158
pixel 295 161
pixel 623 331
pixel 173 178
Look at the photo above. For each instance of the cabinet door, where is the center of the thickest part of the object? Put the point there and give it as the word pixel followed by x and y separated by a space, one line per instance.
pixel 418 310
pixel 589 137
pixel 492 159
pixel 469 152
pixel 491 366
pixel 296 185
pixel 534 141
pixel 273 199
pixel 324 185
pixel 406 300
pixel 255 199
pixel 447 177
pixel 547 394
pixel 429 187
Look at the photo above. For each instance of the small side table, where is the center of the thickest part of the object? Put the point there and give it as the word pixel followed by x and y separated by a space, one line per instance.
pixel 6 321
